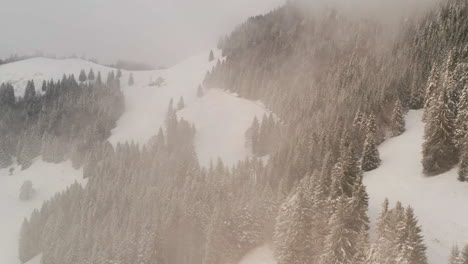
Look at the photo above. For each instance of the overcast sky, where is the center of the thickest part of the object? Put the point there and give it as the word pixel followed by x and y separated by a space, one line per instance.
pixel 154 31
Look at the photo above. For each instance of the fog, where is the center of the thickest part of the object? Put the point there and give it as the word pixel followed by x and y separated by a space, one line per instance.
pixel 158 32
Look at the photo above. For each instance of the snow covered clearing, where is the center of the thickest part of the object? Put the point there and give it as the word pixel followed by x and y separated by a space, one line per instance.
pixel 146 105
pixel 439 202
pixel 47 180
pixel 260 255
pixel 221 120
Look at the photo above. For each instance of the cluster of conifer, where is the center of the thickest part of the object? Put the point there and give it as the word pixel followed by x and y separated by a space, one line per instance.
pixel 62 121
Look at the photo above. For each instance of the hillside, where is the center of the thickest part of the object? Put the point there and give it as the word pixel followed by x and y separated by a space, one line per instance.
pixel 47 179
pixel 145 113
pixel 400 178
pixel 437 200
pixel 188 165
pixel 44 69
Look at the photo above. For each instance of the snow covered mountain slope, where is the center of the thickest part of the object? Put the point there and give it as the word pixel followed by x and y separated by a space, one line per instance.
pixel 146 103
pixel 220 118
pixel 440 202
pixel 47 179
pixel 44 69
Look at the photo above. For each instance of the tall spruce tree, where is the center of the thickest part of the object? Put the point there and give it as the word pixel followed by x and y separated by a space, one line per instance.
pixel 7 95
pixel 455 256
pixel 411 248
pixel 461 121
pixel 398 120
pixel 30 92
pixel 91 76
pixel 82 78
pixel 463 169
pixel 465 254
pixel 293 230
pixel 5 158
pixel 439 151
pixel 370 155
pixel 340 243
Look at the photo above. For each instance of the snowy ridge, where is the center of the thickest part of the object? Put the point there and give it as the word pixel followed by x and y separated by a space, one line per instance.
pixel 44 69
pixel 439 202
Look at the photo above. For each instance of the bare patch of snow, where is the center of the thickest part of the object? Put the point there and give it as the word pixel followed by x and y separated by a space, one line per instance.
pixel 221 120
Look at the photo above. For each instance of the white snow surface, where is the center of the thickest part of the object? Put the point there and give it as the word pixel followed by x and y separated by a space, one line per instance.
pixel 47 179
pixel 220 118
pixel 440 202
pixel 44 69
pixel 260 255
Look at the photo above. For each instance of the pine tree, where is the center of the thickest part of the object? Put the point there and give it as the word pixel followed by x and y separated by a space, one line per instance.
pixel 131 81
pixel 5 159
pixel 398 120
pixel 91 76
pixel 99 78
pixel 371 158
pixel 30 92
pixel 359 221
pixel 27 247
pixel 455 257
pixel 82 78
pixel 463 169
pixel 26 191
pixel 439 152
pixel 371 126
pixel 293 230
pixel 431 90
pixel 211 57
pixel 417 97
pixel 7 94
pixel 254 136
pixel 465 254
pixel 340 242
pixel 411 247
pixel 44 86
pixel 461 121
